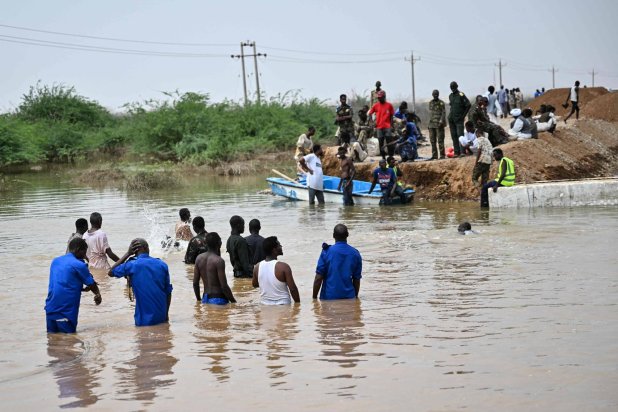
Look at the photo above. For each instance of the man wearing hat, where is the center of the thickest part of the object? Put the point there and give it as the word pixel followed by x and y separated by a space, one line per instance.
pixel 521 127
pixel 384 115
pixel 460 105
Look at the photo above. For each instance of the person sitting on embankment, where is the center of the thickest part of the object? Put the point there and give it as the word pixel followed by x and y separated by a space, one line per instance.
pixel 505 177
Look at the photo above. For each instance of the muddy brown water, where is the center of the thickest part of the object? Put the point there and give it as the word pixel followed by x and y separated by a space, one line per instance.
pixel 522 316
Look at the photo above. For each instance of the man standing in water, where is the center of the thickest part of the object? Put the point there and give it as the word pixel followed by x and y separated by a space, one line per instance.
pixel 67 275
pixel 98 247
pixel 210 269
pixel 254 241
pixel 238 249
pixel 339 268
pixel 274 278
pixel 387 179
pixel 150 279
pixel 347 175
pixel 197 245
pixel 81 227
pixel 312 164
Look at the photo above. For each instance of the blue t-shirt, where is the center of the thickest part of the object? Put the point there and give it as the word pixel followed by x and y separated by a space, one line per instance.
pixel 412 131
pixel 67 275
pixel 385 178
pixel 338 265
pixel 150 279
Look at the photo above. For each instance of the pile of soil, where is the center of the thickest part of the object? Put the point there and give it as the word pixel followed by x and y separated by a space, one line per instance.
pixel 556 97
pixel 604 107
pixel 583 149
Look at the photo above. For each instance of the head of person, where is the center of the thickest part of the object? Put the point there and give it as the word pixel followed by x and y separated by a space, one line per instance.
pixel 483 102
pixel 341 152
pixel 310 131
pixel 81 225
pixel 378 85
pixel 454 86
pixel 96 220
pixel 198 224
pixel 501 86
pixel 340 233
pixel 343 99
pixel 527 113
pixel 213 241
pixel 381 96
pixel 491 89
pixel 479 133
pixel 255 226
pixel 577 83
pixel 237 224
pixel 317 150
pixel 382 164
pixel 403 107
pixel 410 116
pixel 139 246
pixel 498 154
pixel 543 108
pixel 478 98
pixel 362 114
pixel 542 89
pixel 551 108
pixel 272 247
pixel 184 214
pixel 469 126
pixel 78 247
pixel 463 227
pixel 435 94
pixel 391 161
pixel 538 91
pixel 516 112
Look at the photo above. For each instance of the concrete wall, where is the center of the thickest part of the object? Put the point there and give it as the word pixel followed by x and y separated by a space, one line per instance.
pixel 557 194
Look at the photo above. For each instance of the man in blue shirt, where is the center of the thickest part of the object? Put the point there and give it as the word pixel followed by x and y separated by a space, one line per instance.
pixel 67 276
pixel 150 279
pixel 387 179
pixel 339 269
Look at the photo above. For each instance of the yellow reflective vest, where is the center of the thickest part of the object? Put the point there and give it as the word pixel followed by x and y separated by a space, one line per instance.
pixel 509 177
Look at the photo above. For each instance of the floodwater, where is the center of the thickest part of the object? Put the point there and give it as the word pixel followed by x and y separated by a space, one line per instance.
pixel 522 316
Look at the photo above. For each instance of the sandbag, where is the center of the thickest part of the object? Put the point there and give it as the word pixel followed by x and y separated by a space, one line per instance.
pixel 373 147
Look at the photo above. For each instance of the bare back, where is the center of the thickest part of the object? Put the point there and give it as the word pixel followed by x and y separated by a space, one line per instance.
pixel 210 268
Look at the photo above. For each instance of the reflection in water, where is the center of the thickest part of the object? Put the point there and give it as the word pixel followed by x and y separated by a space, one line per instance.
pixel 75 377
pixel 340 331
pixel 280 323
pixel 143 377
pixel 212 324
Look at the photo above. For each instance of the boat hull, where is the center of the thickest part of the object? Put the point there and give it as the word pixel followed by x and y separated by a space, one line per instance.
pixel 299 191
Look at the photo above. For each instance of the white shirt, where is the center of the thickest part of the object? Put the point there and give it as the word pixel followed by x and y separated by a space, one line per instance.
pixel 573 94
pixel 315 180
pixel 519 124
pixel 97 245
pixel 471 138
pixel 272 290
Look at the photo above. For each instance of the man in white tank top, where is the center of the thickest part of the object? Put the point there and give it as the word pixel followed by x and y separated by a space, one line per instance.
pixel 274 278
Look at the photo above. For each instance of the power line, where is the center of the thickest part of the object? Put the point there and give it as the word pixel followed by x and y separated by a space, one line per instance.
pixel 116 38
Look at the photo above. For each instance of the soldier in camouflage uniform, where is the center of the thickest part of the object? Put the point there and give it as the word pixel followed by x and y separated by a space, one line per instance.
pixel 460 105
pixel 344 120
pixel 373 99
pixel 364 127
pixel 479 117
pixel 437 123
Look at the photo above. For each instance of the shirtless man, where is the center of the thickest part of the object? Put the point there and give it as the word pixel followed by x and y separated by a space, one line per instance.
pixel 210 268
pixel 347 175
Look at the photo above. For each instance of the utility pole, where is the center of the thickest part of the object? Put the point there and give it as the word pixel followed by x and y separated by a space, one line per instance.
pixel 553 77
pixel 413 60
pixel 257 73
pixel 241 56
pixel 593 73
pixel 500 65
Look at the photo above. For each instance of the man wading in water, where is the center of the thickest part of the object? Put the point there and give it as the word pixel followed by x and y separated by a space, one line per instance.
pixel 347 175
pixel 210 268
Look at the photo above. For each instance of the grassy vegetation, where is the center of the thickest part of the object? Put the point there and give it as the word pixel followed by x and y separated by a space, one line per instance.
pixel 56 124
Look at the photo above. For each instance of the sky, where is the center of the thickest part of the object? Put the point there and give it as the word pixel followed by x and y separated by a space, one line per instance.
pixel 313 48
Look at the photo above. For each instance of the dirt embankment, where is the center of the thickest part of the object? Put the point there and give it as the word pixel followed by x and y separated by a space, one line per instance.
pixel 556 97
pixel 581 149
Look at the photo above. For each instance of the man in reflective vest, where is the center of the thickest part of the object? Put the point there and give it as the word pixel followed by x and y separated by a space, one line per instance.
pixel 506 176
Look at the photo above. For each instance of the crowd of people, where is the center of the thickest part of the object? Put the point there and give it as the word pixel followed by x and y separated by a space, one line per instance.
pixel 475 130
pixel 337 275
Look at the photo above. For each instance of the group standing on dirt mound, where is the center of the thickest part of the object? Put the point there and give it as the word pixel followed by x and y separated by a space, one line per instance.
pixel 383 131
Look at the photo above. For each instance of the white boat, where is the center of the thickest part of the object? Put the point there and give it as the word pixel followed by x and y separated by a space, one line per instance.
pixel 297 190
